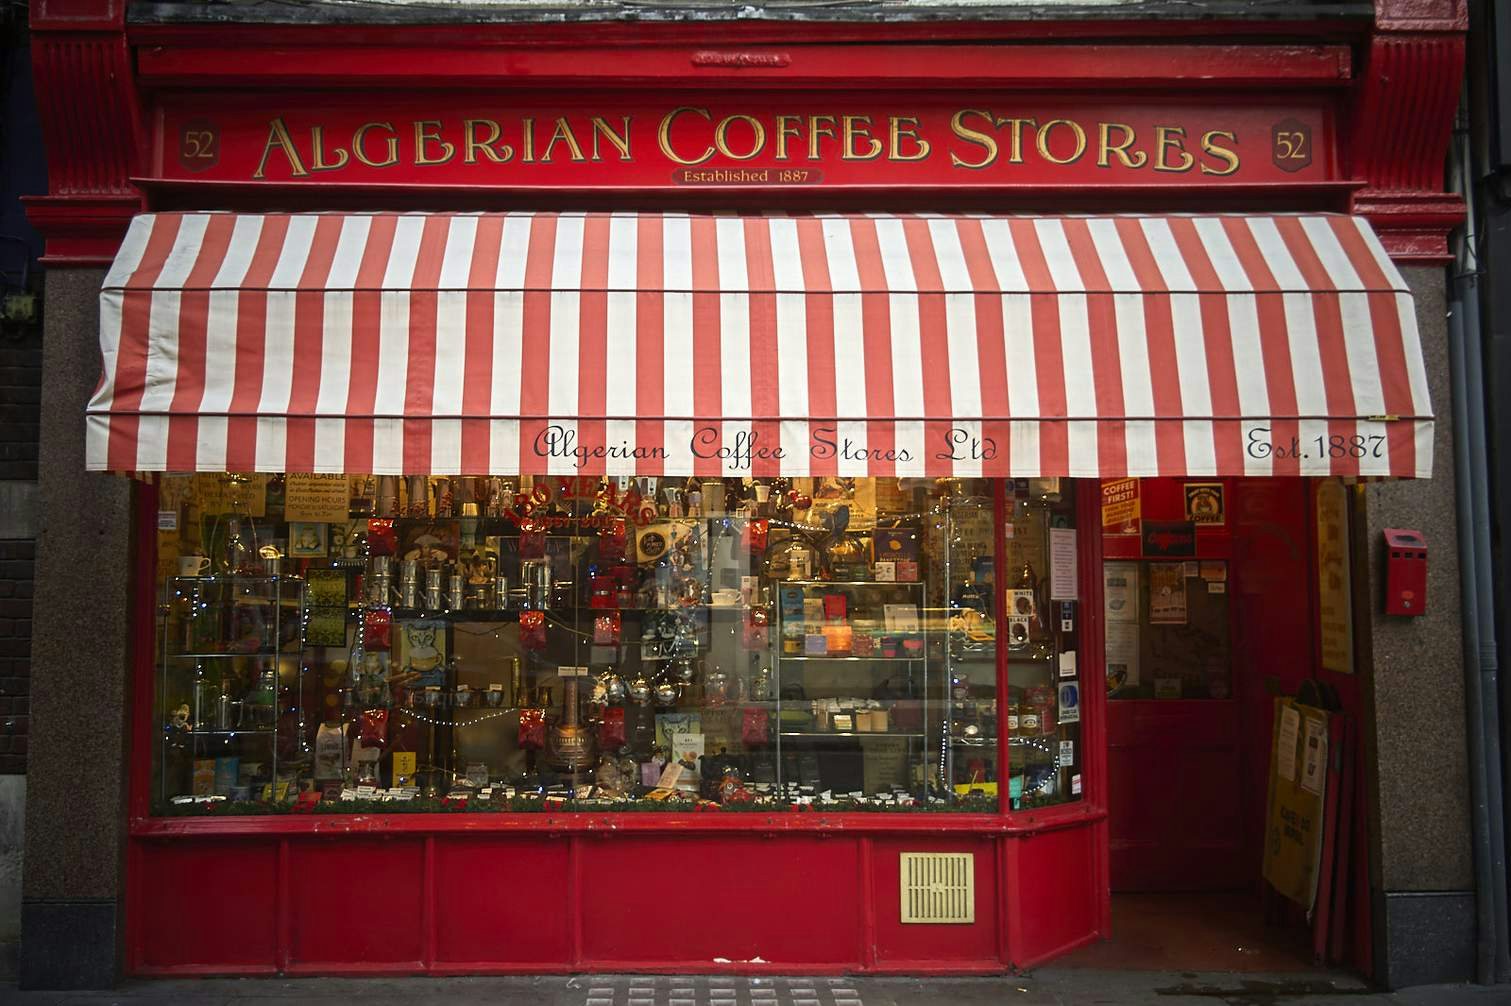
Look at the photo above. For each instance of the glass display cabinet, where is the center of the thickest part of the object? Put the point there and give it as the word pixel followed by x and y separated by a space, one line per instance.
pixel 232 649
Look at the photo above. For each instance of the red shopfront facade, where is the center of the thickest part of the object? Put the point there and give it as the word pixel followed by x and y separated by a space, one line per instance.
pixel 885 153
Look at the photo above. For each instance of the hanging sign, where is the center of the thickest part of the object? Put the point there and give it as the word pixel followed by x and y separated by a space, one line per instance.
pixel 808 140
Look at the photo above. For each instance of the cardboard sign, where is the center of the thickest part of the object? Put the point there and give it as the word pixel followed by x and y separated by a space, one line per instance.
pixel 1294 817
pixel 321 498
pixel 223 493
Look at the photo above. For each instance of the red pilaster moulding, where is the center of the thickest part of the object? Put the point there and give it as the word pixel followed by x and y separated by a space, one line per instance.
pixel 92 126
pixel 1401 122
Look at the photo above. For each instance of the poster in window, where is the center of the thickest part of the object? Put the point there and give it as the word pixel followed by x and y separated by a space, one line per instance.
pixel 1120 591
pixel 1120 506
pixel 1205 503
pixel 314 496
pixel 1167 593
pixel 1062 564
pixel 1122 655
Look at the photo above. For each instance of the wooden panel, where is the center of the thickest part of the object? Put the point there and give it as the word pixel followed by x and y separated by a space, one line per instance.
pixel 356 901
pixel 1174 795
pixel 721 900
pixel 502 901
pixel 1056 884
pixel 207 904
pixel 975 942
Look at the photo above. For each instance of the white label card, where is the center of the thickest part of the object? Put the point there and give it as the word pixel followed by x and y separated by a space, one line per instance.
pixel 1062 564
pixel 1285 745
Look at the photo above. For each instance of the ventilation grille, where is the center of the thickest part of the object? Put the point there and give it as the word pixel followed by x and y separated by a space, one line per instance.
pixel 938 887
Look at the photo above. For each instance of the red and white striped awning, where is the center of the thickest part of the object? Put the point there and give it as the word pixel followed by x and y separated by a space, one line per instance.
pixel 671 344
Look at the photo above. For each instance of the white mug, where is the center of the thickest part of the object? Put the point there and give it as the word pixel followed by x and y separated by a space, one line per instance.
pixel 193 565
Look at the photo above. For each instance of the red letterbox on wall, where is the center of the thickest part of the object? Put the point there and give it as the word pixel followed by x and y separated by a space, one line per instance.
pixel 1405 572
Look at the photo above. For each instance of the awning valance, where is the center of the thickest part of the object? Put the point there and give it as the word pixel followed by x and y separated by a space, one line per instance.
pixel 671 344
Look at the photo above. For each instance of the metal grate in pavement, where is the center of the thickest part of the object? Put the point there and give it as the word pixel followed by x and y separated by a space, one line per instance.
pixel 719 991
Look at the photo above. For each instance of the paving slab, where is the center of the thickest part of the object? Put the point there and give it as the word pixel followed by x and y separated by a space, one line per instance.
pixel 1047 987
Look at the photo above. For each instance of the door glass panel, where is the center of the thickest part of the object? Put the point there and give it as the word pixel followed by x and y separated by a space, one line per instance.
pixel 1167 629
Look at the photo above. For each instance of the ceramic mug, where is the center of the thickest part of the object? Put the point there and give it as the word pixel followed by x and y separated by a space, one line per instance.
pixel 193 565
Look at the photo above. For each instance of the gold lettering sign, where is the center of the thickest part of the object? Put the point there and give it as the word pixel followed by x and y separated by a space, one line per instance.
pixel 968 139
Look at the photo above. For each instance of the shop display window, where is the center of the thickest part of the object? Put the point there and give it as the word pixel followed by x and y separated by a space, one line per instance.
pixel 328 643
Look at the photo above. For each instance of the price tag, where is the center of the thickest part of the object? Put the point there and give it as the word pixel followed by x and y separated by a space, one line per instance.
pixel 565 671
pixel 167 520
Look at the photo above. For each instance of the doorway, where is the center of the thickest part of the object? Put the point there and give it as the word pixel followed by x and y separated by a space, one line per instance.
pixel 1208 617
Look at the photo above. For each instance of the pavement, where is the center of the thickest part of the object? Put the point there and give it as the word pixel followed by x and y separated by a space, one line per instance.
pixel 1048 987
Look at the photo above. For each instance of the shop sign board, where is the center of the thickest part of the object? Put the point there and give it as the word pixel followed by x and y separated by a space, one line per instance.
pixel 1298 783
pixel 812 140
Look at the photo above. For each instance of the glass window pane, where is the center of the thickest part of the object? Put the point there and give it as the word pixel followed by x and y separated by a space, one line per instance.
pixel 1167 629
pixel 498 644
pixel 1044 687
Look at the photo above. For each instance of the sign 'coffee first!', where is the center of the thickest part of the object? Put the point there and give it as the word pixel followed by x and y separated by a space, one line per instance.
pixel 807 142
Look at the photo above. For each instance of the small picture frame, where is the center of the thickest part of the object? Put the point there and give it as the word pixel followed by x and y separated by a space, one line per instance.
pixel 1020 603
pixel 308 540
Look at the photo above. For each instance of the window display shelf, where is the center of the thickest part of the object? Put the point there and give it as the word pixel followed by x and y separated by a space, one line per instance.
pixel 248 732
pixel 889 660
pixel 224 654
pixel 847 733
pixel 512 614
pixel 851 583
